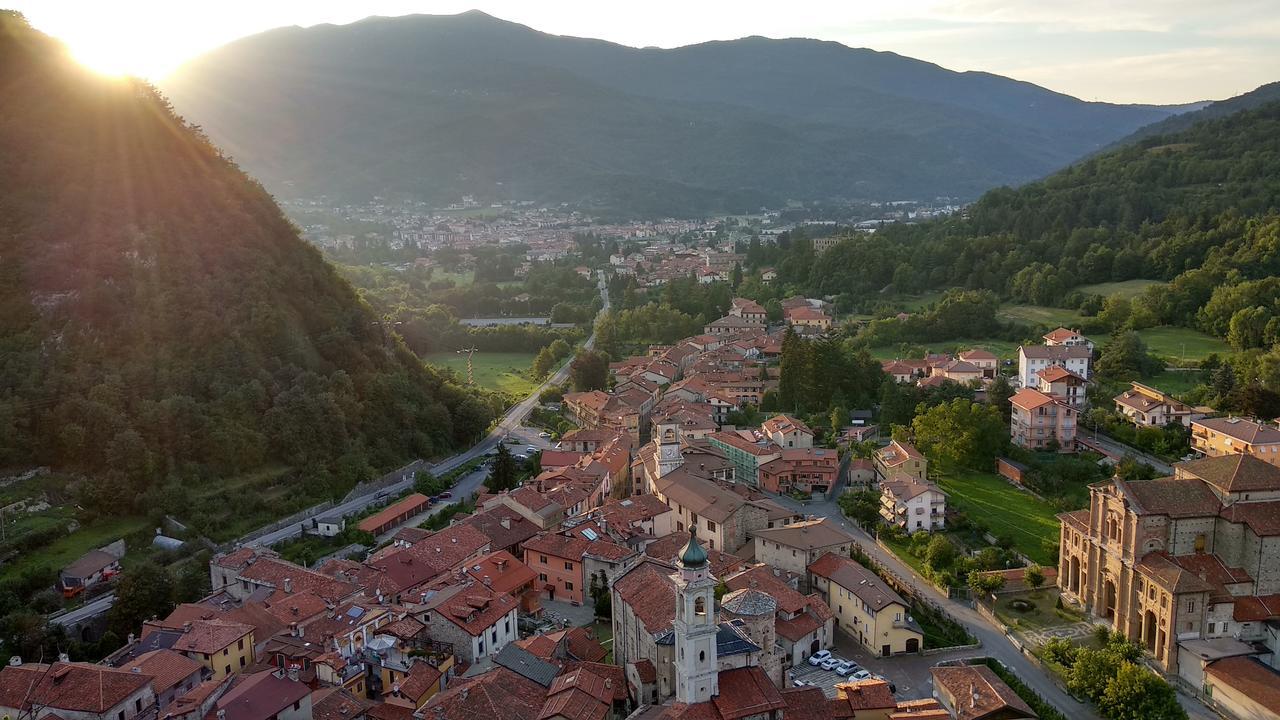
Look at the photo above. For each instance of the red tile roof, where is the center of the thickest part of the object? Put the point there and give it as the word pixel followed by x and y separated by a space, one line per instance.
pixel 501 571
pixel 647 587
pixel 422 678
pixel 78 687
pixel 1250 678
pixel 979 692
pixel 211 636
pixel 746 691
pixel 475 608
pixel 499 694
pixel 411 505
pixel 166 668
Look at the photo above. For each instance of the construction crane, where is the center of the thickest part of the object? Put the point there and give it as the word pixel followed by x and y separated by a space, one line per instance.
pixel 469 351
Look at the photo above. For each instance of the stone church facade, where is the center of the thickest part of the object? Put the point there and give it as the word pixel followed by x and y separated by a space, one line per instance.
pixel 1195 556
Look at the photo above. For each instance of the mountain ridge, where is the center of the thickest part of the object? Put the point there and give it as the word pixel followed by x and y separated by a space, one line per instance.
pixel 791 118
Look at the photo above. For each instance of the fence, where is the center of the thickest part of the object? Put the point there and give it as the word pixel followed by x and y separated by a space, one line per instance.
pixel 382 483
pixel 294 519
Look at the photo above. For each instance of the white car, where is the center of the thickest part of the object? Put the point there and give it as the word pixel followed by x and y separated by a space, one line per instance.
pixel 831 663
pixel 797 682
pixel 847 667
pixel 544 434
pixel 817 658
pixel 860 675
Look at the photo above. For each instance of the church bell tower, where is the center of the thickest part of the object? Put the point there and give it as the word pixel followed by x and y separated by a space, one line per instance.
pixel 697 679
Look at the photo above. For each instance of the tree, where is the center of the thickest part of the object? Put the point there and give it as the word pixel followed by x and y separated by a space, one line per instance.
pixel 983 584
pixel 1092 671
pixel 735 278
pixel 1033 576
pixel 428 484
pixel 1135 693
pixel 146 591
pixel 861 506
pixel 940 552
pixel 1126 356
pixel 589 370
pixel 504 475
pixel 998 394
pixel 961 433
pixel 600 595
pixel 542 363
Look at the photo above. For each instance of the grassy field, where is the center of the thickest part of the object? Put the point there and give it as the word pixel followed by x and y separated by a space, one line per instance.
pixel 1040 315
pixel 505 372
pixel 1124 288
pixel 64 550
pixel 1175 382
pixel 1002 348
pixel 461 279
pixel 1005 510
pixel 1182 344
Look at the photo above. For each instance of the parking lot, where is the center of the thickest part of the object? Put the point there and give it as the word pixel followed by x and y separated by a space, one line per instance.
pixel 816 676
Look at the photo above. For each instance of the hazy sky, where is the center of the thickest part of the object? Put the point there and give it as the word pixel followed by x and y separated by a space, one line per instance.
pixel 1156 51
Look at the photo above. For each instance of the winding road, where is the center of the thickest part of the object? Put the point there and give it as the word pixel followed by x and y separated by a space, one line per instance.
pixel 509 424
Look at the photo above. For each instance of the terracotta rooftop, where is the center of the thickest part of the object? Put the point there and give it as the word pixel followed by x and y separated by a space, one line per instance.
pixel 1233 473
pixel 77 687
pixel 1242 429
pixel 979 692
pixel 211 636
pixel 499 694
pixel 1250 678
pixel 668 546
pixel 853 577
pixel 415 502
pixel 1173 497
pixel 166 668
pixel 647 587
pixel 746 691
pixel 807 534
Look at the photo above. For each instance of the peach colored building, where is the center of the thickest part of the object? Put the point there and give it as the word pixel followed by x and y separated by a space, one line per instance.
pixel 1040 419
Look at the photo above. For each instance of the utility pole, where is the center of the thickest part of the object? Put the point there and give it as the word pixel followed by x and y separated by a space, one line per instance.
pixel 469 351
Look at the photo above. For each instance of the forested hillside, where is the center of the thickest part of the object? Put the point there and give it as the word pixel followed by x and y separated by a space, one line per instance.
pixel 436 107
pixel 162 325
pixel 1196 208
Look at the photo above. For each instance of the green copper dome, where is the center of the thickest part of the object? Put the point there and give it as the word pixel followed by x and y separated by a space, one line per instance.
pixel 693 556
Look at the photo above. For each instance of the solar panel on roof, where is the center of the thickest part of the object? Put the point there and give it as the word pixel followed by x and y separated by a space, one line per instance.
pixel 590 534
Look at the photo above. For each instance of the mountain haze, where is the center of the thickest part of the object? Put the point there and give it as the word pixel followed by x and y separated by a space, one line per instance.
pixel 161 322
pixel 439 106
pixel 1176 123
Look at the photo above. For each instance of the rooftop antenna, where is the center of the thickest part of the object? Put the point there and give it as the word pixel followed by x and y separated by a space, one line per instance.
pixel 469 351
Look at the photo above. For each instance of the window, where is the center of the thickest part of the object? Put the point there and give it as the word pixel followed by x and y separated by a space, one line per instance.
pixel 1212 628
pixel 227 670
pixel 506 626
pixel 568 565
pixel 241 645
pixel 711 526
pixel 241 661
pixel 700 606
pixel 568 585
pixel 297 705
pixel 226 651
pixel 542 577
pixel 542 559
pixel 1191 606
pixel 137 705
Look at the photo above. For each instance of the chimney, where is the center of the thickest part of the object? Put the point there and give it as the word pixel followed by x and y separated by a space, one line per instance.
pixel 293 628
pixel 222 715
pixel 186 627
pixel 136 669
pixel 288 585
pixel 973 695
pixel 132 638
pixel 506 525
pixel 293 673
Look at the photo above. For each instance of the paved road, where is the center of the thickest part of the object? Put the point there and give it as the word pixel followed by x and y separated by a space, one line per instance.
pixel 994 642
pixel 1119 449
pixel 509 424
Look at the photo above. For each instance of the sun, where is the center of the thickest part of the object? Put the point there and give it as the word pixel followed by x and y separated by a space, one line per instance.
pixel 110 56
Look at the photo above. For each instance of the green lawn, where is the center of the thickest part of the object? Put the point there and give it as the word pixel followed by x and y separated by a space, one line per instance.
pixel 1181 345
pixel 902 548
pixel 1004 509
pixel 460 279
pixel 1040 315
pixel 63 551
pixel 1002 348
pixel 1124 288
pixel 505 372
pixel 1175 382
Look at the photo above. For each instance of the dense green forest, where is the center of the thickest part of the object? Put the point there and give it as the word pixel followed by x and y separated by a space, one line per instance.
pixel 161 322
pixel 1196 209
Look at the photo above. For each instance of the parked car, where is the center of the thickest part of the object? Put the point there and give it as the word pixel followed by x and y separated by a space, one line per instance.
pixel 446 495
pixel 831 663
pixel 797 682
pixel 817 658
pixel 544 434
pixel 847 667
pixel 530 450
pixel 861 674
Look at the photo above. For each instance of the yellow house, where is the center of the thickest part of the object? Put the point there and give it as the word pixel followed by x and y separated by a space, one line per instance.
pixel 1236 436
pixel 865 608
pixel 223 646
pixel 901 457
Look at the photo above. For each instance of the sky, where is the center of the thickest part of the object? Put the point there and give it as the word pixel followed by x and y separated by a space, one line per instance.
pixel 1126 51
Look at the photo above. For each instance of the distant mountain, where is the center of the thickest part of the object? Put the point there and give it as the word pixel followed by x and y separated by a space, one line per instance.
pixel 161 322
pixel 439 106
pixel 1208 111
